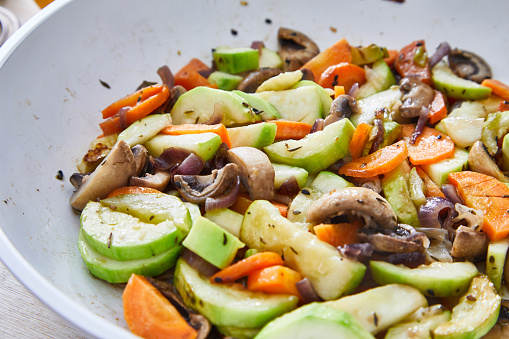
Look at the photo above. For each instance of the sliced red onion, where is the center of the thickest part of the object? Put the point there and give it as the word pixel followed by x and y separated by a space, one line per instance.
pixel 421 123
pixel 306 291
pixel 354 90
pixel 357 251
pixel 225 200
pixel 257 45
pixel 451 193
pixel 442 50
pixel 412 260
pixel 289 187
pixel 431 213
pixel 166 76
pixel 198 263
pixel 122 117
pixel 379 138
pixel 192 165
pixel 170 157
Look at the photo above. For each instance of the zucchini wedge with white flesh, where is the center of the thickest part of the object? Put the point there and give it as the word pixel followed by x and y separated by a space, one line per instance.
pixel 144 129
pixel 475 314
pixel 421 324
pixel 495 261
pixel 455 87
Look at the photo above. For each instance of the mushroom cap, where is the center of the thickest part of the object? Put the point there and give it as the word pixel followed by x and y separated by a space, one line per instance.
pixel 480 161
pixel 342 107
pixel 359 201
pixel 295 49
pixel 468 65
pixel 254 79
pixel 416 95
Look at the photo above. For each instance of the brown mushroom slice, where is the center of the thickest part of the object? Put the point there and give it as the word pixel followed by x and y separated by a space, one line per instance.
pixel 141 158
pixel 416 95
pixel 255 170
pixel 195 320
pixel 254 79
pixel 473 218
pixel 342 107
pixel 357 201
pixel 159 180
pixel 295 49
pixel 405 239
pixel 113 172
pixel 373 183
pixel 469 243
pixel 197 188
pixel 76 179
pixel 468 65
pixel 479 160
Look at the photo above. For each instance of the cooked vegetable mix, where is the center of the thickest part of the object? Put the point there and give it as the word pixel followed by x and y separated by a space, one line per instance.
pixel 356 192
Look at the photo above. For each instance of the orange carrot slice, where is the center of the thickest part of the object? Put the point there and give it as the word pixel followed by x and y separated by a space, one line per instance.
pixel 503 106
pixel 438 109
pixel 287 129
pixel 338 234
pixel 189 76
pixel 359 139
pixel 150 315
pixel 430 146
pixel 218 129
pixel 343 74
pixel 246 266
pixel 391 58
pixel 338 90
pixel 497 87
pixel 432 189
pixel 132 190
pixel 335 54
pixel 405 64
pixel 275 280
pixel 382 161
pixel 131 100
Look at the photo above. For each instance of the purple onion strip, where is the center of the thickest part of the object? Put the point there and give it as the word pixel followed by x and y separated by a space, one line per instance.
pixel 421 123
pixel 451 193
pixel 198 263
pixel 306 291
pixel 429 213
pixel 442 50
pixel 225 200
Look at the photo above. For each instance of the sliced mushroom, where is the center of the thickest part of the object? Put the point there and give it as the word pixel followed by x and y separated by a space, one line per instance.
pixel 342 107
pixel 479 160
pixel 141 157
pixel 175 93
pixel 373 183
pixel 196 321
pixel 113 172
pixel 473 218
pixel 356 201
pixel 77 179
pixel 295 49
pixel 469 65
pixel 255 170
pixel 159 180
pixel 404 239
pixel 254 79
pixel 197 188
pixel 416 95
pixel 318 125
pixel 469 243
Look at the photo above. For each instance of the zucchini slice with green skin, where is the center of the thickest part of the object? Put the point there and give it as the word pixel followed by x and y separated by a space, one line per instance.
pixel 115 271
pixel 455 87
pixel 475 314
pixel 121 236
pixel 437 279
pixel 495 261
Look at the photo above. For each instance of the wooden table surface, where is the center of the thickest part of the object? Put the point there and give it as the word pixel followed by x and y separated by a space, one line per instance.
pixel 21 314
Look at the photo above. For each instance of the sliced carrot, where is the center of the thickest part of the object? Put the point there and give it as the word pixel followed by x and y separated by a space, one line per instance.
pixel 132 190
pixel 405 63
pixel 339 90
pixel 483 192
pixel 111 126
pixel 497 87
pixel 131 100
pixel 342 74
pixel 333 55
pixel 283 209
pixel 382 161
pixel 432 189
pixel 246 266
pixel 503 106
pixel 189 76
pixel 243 201
pixel 150 315
pixel 287 129
pixel 359 139
pixel 218 129
pixel 338 234
pixel 438 109
pixel 391 58
pixel 430 146
pixel 276 279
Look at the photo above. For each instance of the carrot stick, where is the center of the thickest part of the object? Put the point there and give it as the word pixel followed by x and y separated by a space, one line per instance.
pixel 503 106
pixel 150 315
pixel 382 161
pixel 338 90
pixel 275 280
pixel 132 190
pixel 287 129
pixel 283 209
pixel 432 189
pixel 483 192
pixel 391 58
pixel 430 146
pixel 359 139
pixel 438 109
pixel 497 87
pixel 111 126
pixel 338 52
pixel 246 266
pixel 405 63
pixel 218 129
pixel 189 76
pixel 338 234
pixel 342 74
pixel 145 107
pixel 131 100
